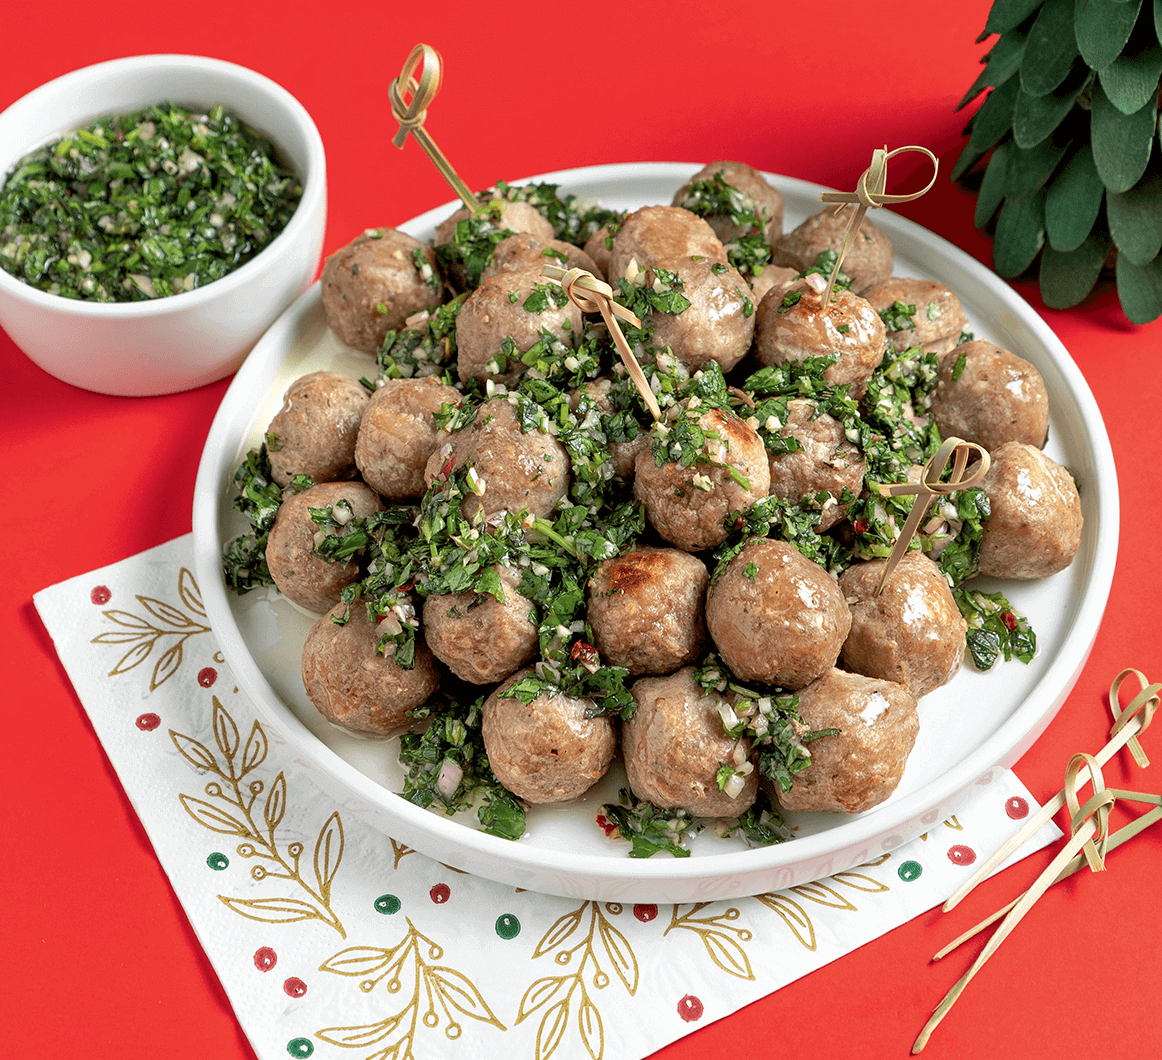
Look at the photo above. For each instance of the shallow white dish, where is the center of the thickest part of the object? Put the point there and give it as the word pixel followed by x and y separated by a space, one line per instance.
pixel 967 728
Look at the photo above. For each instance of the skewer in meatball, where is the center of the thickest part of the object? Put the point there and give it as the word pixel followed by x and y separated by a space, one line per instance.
pixel 868 263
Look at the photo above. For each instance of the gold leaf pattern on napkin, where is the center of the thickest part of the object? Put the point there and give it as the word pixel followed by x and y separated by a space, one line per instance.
pixel 229 809
pixel 143 635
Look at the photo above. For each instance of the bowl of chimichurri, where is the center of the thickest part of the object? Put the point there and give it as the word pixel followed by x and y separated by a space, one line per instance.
pixel 157 213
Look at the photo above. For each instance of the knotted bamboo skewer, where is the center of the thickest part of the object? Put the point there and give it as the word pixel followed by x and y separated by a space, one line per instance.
pixel 869 195
pixel 591 295
pixel 411 113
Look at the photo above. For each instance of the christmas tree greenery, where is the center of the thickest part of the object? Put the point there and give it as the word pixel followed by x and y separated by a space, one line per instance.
pixel 1068 148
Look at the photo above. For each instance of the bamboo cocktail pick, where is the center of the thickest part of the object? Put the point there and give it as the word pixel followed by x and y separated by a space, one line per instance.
pixel 1128 724
pixel 591 295
pixel 929 488
pixel 869 195
pixel 410 113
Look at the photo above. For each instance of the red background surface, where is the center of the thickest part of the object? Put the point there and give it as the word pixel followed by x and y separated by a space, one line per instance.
pixel 98 959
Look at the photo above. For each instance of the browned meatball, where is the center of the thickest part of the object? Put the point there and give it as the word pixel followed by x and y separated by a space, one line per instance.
pixel 657 233
pixel 478 637
pixel 987 395
pixel 937 319
pixel 776 616
pixel 827 461
pixel 505 317
pixel 1035 526
pixel 911 633
pixel 862 766
pixel 647 609
pixel 546 750
pixel 718 324
pixel 513 470
pixel 599 247
pixel 791 326
pixel 524 250
pixel 301 576
pixel 868 262
pixel 623 455
pixel 752 194
pixel 674 745
pixel 397 435
pixel 688 506
pixel 355 687
pixel 314 432
pixel 515 216
pixel 372 285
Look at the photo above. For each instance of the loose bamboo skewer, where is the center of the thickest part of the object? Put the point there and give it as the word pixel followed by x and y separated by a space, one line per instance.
pixel 411 113
pixel 1127 726
pixel 591 295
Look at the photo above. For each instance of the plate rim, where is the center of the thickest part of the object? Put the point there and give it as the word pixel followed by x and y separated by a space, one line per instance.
pixel 672 879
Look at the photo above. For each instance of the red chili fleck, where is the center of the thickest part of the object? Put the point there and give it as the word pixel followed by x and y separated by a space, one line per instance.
pixel 582 652
pixel 265 958
pixel 860 526
pixel 148 722
pixel 645 913
pixel 446 469
pixel 1017 808
pixel 207 675
pixel 1009 619
pixel 440 893
pixel 101 595
pixel 607 826
pixel 407 586
pixel 690 1008
pixel 294 987
pixel 961 855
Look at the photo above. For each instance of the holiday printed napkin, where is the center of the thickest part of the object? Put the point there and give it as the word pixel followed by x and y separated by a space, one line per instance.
pixel 334 941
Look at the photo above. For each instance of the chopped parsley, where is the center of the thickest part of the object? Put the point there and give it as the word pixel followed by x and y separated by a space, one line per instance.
pixel 143 205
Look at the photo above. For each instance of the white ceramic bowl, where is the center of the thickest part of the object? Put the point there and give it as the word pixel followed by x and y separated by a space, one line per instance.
pixel 978 721
pixel 167 344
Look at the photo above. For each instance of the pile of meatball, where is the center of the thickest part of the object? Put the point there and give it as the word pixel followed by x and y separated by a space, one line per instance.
pixel 858 658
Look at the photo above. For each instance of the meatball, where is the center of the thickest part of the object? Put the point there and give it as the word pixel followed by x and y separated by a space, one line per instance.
pixel 911 633
pixel 302 577
pixel 717 325
pixel 524 250
pixel 658 233
pixel 827 461
pixel 514 470
pixel 397 435
pixel 647 609
pixel 1035 526
pixel 772 276
pixel 505 317
pixel 674 745
pixel 791 326
pixel 513 217
pixel 987 395
pixel 858 769
pixel 776 616
pixel 688 506
pixel 547 750
pixel 354 686
pixel 372 285
pixel 314 432
pixel 480 638
pixel 599 247
pixel 622 454
pixel 868 263
pixel 751 194
pixel 936 318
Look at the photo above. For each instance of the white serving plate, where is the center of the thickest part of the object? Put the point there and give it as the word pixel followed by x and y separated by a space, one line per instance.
pixel 974 724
